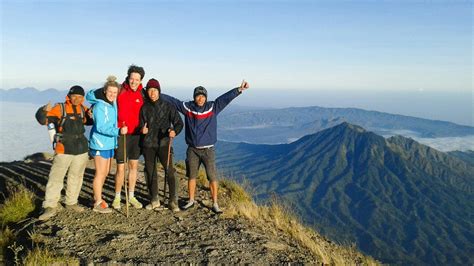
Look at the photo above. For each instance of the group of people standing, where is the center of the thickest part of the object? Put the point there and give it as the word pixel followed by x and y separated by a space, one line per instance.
pixel 129 121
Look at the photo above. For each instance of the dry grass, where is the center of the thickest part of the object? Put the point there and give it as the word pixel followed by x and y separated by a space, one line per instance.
pixel 39 256
pixel 281 220
pixel 181 165
pixel 17 206
pixel 6 239
pixel 201 179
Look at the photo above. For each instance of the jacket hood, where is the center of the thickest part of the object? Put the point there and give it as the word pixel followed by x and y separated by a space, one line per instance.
pixel 94 96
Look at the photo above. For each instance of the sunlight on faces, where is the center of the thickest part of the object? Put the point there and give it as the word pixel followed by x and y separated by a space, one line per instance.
pixel 134 80
pixel 76 99
pixel 153 94
pixel 200 100
pixel 111 93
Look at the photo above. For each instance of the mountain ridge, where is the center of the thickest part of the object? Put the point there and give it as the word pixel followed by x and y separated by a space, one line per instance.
pixel 352 182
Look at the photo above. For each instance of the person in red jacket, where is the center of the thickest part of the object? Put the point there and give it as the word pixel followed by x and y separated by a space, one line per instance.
pixel 129 103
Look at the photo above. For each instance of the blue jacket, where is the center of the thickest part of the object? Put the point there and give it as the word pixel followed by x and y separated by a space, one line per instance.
pixel 201 122
pixel 104 132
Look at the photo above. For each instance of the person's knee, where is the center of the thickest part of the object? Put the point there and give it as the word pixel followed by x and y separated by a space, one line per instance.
pixel 133 165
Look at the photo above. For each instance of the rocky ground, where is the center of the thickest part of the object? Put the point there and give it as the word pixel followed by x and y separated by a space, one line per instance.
pixel 194 236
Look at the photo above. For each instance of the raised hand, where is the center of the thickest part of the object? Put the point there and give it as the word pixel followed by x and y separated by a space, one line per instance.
pixel 244 85
pixel 47 107
pixel 145 129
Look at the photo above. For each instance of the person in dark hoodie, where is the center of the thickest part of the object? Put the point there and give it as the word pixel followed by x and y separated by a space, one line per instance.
pixel 103 136
pixel 201 135
pixel 159 122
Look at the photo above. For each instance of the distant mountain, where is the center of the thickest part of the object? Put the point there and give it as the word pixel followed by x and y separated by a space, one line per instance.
pixel 467 156
pixel 32 95
pixel 288 124
pixel 400 201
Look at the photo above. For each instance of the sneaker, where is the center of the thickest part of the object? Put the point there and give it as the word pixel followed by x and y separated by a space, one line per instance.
pixel 47 213
pixel 135 203
pixel 75 207
pixel 174 206
pixel 189 205
pixel 102 207
pixel 215 208
pixel 155 204
pixel 116 203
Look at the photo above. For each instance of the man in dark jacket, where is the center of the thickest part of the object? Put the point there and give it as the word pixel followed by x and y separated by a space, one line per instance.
pixel 201 135
pixel 159 122
pixel 71 149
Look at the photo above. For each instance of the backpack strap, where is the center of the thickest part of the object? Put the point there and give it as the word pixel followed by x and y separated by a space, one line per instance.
pixel 63 117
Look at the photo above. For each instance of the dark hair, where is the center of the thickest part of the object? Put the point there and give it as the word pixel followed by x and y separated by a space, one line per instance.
pixel 136 69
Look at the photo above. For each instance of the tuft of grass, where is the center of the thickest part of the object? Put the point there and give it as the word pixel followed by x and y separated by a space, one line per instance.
pixel 35 237
pixel 181 165
pixel 236 192
pixel 39 256
pixel 281 220
pixel 7 237
pixel 201 179
pixel 17 206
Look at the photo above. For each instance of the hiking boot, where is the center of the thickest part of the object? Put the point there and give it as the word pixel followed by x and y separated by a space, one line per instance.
pixel 155 204
pixel 174 206
pixel 48 213
pixel 102 207
pixel 189 205
pixel 75 207
pixel 116 203
pixel 135 203
pixel 215 208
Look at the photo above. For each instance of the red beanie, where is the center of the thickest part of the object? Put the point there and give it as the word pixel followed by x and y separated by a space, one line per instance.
pixel 153 83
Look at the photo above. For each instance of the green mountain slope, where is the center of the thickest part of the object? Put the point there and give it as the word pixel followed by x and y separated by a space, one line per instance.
pixel 400 201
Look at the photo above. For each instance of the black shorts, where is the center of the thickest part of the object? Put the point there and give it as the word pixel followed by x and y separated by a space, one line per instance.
pixel 133 148
pixel 194 158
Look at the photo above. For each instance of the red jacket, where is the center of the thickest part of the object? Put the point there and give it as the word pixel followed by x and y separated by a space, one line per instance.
pixel 129 103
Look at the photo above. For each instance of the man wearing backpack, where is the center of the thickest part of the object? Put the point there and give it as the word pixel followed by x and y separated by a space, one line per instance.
pixel 71 150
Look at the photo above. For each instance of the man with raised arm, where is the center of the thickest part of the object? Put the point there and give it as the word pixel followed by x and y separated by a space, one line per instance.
pixel 201 135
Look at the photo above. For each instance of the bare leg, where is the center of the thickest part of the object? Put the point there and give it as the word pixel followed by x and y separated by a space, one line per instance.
pixel 119 177
pixel 101 169
pixel 213 187
pixel 132 174
pixel 191 188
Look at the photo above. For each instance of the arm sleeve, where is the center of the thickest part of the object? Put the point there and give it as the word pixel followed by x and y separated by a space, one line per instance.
pixel 41 116
pixel 179 105
pixel 176 121
pixel 122 111
pixel 88 120
pixel 52 116
pixel 101 126
pixel 222 101
pixel 143 118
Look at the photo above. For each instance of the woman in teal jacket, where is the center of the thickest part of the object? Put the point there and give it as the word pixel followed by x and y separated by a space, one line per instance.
pixel 103 138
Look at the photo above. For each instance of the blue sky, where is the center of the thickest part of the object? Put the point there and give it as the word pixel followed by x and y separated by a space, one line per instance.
pixel 310 45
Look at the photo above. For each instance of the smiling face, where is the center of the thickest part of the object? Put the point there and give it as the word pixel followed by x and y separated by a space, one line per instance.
pixel 153 94
pixel 134 80
pixel 76 99
pixel 200 100
pixel 111 93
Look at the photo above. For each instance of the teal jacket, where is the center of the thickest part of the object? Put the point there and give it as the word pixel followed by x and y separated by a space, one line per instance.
pixel 104 132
